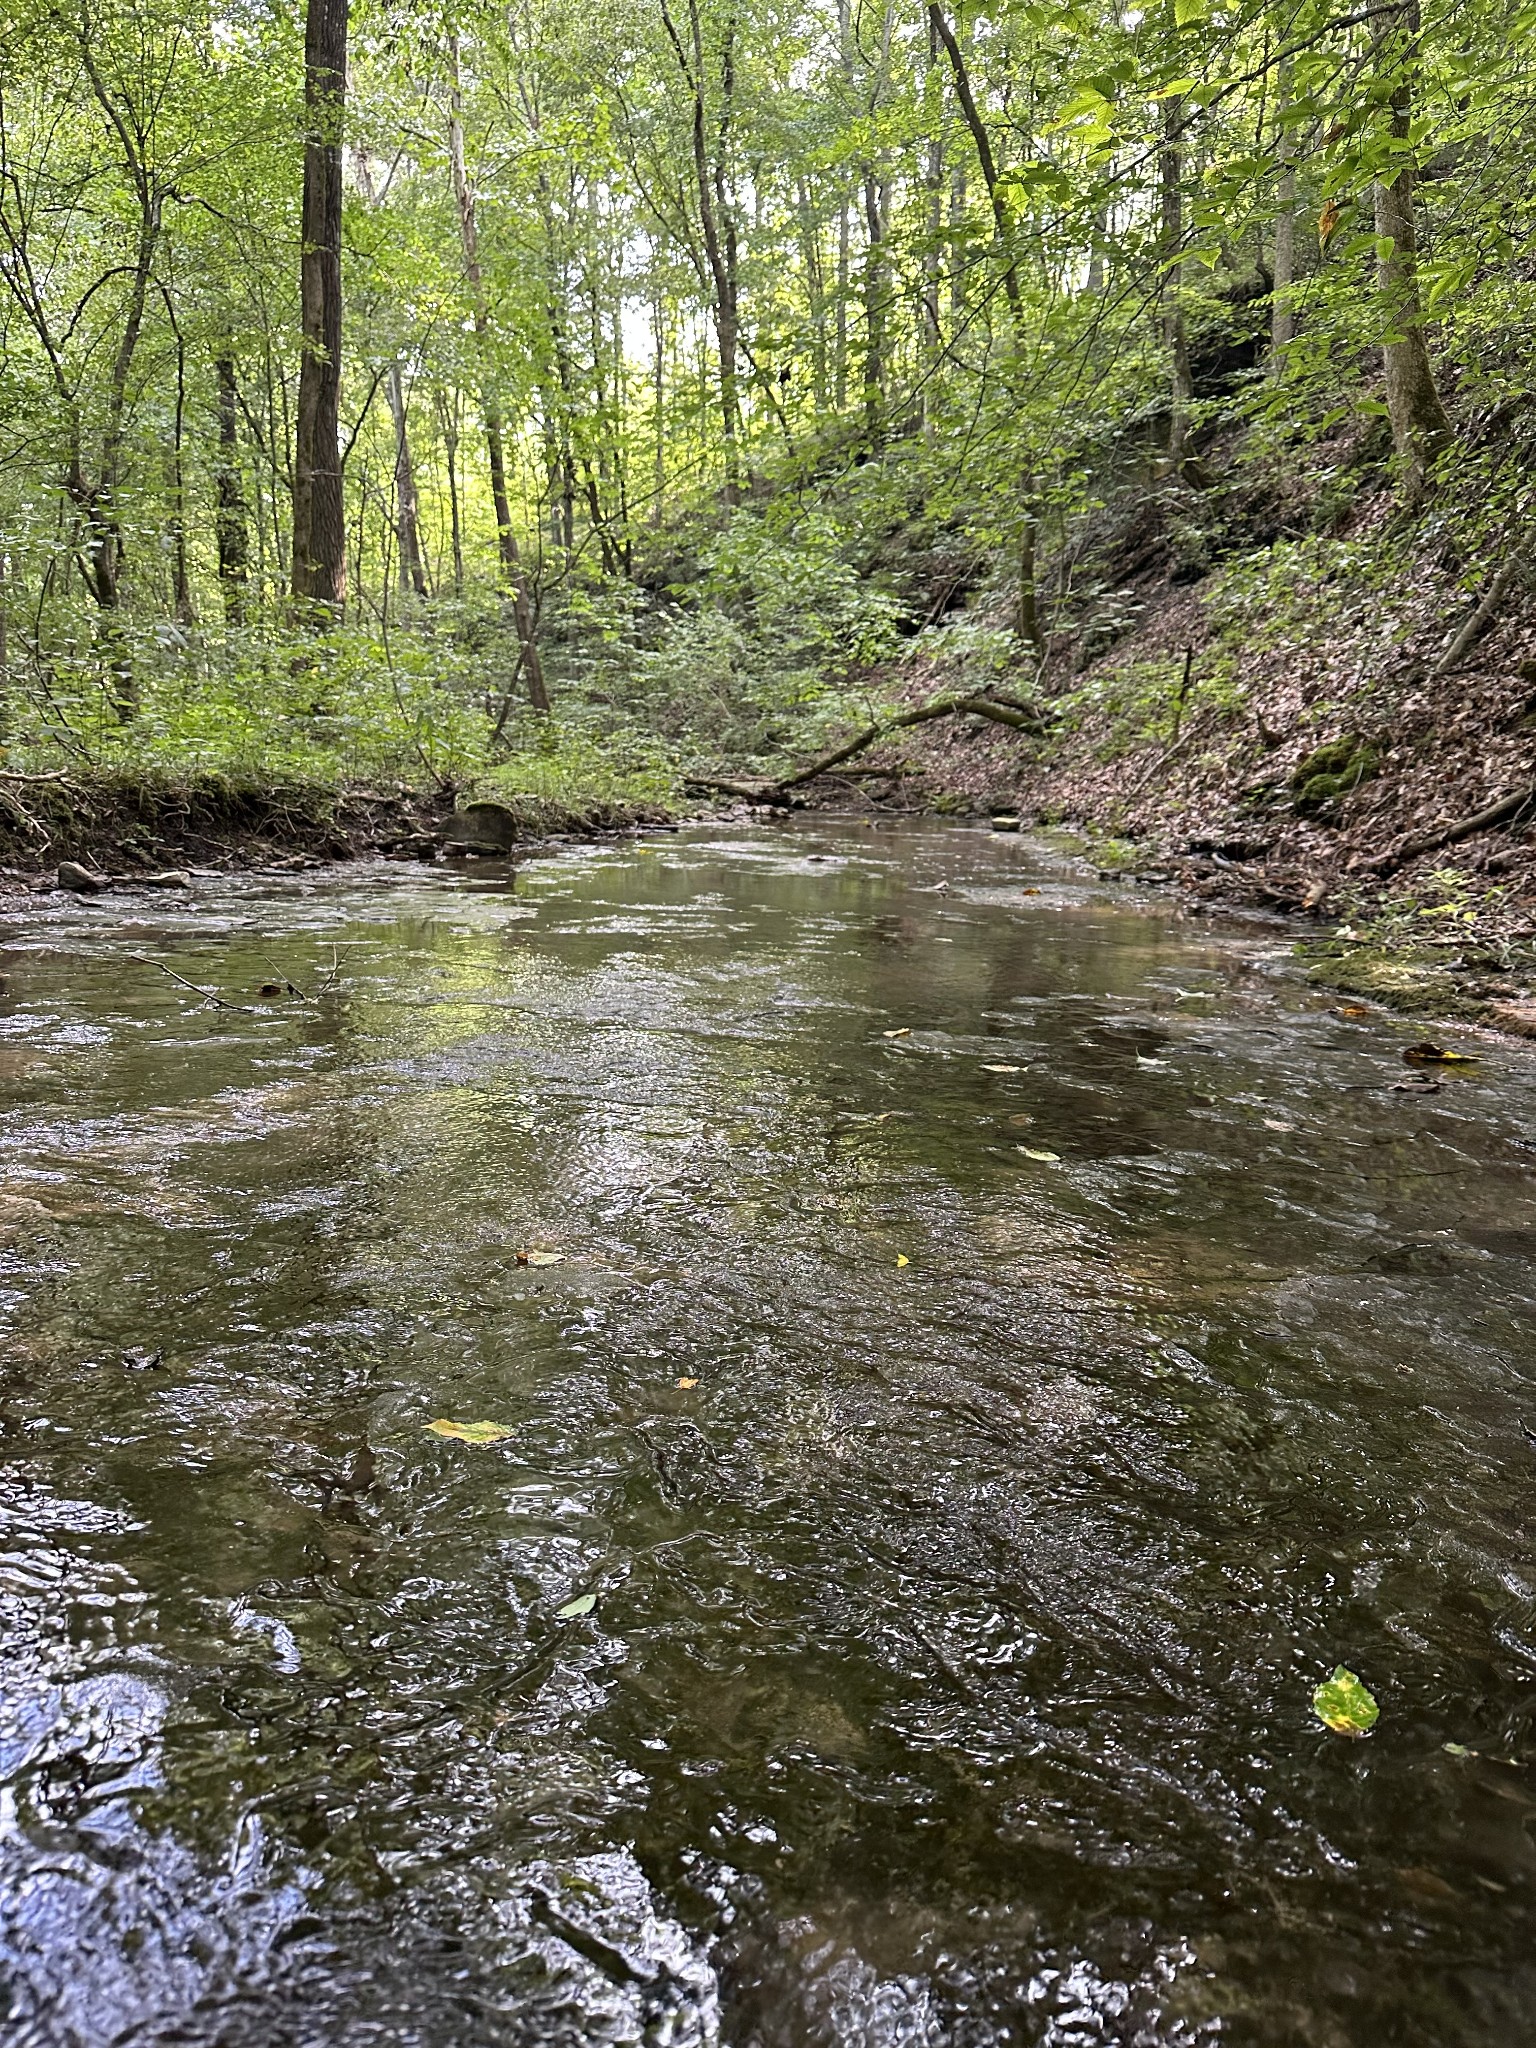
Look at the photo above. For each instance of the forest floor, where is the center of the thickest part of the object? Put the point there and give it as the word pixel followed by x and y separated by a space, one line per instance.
pixel 1279 741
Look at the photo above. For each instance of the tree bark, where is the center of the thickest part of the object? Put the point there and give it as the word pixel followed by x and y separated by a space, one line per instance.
pixel 716 219
pixel 1420 429
pixel 319 525
pixel 1181 383
pixel 1282 318
pixel 495 446
pixel 229 519
pixel 413 573
pixel 984 157
pixel 448 425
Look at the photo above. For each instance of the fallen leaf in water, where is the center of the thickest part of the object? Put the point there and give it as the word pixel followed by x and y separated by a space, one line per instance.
pixel 902 1259
pixel 1457 1749
pixel 1427 1883
pixel 572 1608
pixel 1436 1055
pixel 1416 1087
pixel 904 1032
pixel 1351 1010
pixel 471 1432
pixel 1343 1704
pixel 541 1258
pixel 687 1383
pixel 1023 1117
pixel 988 1069
pixel 1032 1152
pixel 270 988
pixel 1029 892
pixel 1273 1123
pixel 1143 1061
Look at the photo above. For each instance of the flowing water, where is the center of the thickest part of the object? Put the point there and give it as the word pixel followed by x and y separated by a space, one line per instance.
pixel 1009 1343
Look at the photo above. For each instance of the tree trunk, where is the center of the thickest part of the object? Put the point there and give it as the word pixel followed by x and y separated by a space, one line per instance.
pixel 876 287
pixel 413 574
pixel 448 424
pixel 229 519
pixel 1181 383
pixel 716 219
pixel 1282 318
pixel 522 611
pixel 1420 428
pixel 319 526
pixel 840 368
pixel 985 158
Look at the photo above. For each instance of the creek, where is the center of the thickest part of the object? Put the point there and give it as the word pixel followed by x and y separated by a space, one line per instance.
pixel 975 1349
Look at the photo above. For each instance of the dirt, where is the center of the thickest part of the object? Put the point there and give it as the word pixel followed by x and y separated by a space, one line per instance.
pixel 137 830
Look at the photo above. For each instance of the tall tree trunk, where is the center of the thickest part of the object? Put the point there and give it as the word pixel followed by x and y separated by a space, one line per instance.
pixel 182 606
pixel 495 447
pixel 816 290
pixel 957 205
pixel 1282 318
pixel 716 218
pixel 319 523
pixel 840 368
pixel 448 425
pixel 229 519
pixel 659 403
pixel 985 158
pixel 1181 383
pixel 876 288
pixel 413 574
pixel 1420 428
pixel 933 184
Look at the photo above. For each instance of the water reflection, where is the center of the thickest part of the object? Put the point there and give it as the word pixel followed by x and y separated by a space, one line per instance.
pixel 1007 1344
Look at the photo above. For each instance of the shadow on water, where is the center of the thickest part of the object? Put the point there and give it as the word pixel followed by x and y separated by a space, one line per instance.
pixel 1007 1345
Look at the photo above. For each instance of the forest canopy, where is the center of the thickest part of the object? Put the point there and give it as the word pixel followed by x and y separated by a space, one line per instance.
pixel 379 389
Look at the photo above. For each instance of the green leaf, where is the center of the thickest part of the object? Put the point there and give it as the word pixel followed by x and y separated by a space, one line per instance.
pixel 1036 1152
pixel 470 1432
pixel 572 1608
pixel 1343 1704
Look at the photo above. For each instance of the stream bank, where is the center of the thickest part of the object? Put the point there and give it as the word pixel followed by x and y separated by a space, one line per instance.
pixel 125 829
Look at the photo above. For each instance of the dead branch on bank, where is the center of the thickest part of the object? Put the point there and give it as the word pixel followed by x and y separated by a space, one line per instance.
pixel 1408 848
pixel 1014 712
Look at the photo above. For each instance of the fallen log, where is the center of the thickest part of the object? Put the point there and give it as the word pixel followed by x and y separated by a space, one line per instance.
pixel 1502 812
pixel 974 705
pixel 1482 616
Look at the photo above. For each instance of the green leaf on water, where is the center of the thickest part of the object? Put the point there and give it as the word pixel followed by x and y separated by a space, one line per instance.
pixel 1034 1152
pixel 471 1432
pixel 1343 1704
pixel 572 1608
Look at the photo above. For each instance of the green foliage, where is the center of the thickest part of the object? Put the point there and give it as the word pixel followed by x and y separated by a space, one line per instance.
pixel 757 415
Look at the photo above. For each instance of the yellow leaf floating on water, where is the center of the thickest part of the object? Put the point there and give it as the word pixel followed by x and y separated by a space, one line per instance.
pixel 988 1069
pixel 687 1383
pixel 904 1032
pixel 471 1432
pixel 583 1605
pixel 1343 1704
pixel 1035 1152
pixel 902 1259
pixel 541 1258
pixel 1427 1055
